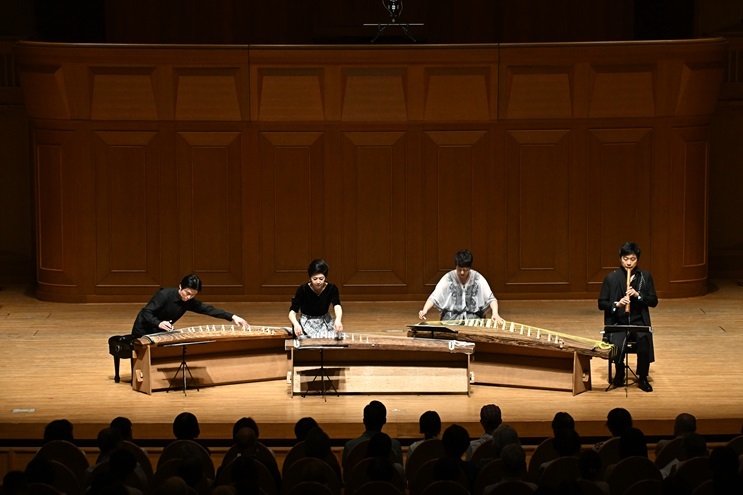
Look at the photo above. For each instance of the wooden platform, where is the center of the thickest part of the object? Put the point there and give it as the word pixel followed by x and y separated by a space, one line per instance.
pixel 54 363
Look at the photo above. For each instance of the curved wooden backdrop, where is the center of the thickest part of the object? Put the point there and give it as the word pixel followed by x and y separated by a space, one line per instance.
pixel 242 163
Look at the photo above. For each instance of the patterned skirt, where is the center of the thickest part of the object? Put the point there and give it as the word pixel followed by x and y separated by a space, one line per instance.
pixel 317 326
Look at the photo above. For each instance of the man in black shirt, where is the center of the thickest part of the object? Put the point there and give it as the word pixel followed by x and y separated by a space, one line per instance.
pixel 627 304
pixel 169 304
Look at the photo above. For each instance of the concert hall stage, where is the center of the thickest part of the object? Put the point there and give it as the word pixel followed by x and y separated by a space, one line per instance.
pixel 54 363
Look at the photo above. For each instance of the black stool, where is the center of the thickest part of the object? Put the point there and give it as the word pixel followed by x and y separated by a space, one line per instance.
pixel 120 347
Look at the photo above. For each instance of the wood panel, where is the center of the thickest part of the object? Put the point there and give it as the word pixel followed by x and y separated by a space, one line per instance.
pixel 209 206
pixel 374 209
pixel 618 192
pixel 56 218
pixel 688 205
pixel 455 165
pixel 127 207
pixel 292 218
pixel 538 191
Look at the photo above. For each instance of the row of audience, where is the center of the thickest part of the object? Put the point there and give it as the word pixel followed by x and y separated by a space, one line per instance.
pixel 494 463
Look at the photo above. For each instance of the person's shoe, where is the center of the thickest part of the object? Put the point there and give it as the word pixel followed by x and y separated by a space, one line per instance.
pixel 618 380
pixel 644 384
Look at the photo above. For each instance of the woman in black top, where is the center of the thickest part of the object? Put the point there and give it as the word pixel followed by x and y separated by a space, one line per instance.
pixel 312 301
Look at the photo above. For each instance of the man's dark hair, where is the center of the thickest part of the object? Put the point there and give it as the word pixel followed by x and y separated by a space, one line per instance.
pixel 124 425
pixel 303 426
pixel 191 281
pixel 317 443
pixel 430 424
pixel 317 266
pixel 59 429
pixel 562 420
pixel 629 248
pixel 456 439
pixel 463 258
pixel 375 416
pixel 618 421
pixel 244 423
pixel 685 423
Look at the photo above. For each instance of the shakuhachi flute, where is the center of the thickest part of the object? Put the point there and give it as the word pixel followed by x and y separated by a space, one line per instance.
pixel 629 279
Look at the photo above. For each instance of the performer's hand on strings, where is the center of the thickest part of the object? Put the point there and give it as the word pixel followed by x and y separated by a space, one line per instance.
pixel 166 325
pixel 338 327
pixel 497 319
pixel 421 315
pixel 298 330
pixel 241 322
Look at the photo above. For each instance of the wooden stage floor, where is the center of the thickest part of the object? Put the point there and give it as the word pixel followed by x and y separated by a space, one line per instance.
pixel 54 363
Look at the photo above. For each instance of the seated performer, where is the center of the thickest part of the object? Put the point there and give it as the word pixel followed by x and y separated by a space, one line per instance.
pixel 462 293
pixel 169 304
pixel 639 295
pixel 312 300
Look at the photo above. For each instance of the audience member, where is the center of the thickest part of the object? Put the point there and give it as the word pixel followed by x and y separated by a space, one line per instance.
pixel 15 483
pixel 562 420
pixel 317 445
pixel 375 417
pixel 186 427
pixel 684 423
pixel 490 419
pixel 124 425
pixel 505 435
pixel 303 426
pixel 430 427
pixel 566 443
pixel 617 422
pixel 245 423
pixel 380 446
pixel 726 475
pixel 456 440
pixel 693 445
pixel 589 464
pixel 59 429
pixel 514 467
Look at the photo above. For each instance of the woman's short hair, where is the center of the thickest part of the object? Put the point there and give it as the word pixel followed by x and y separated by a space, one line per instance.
pixel 317 266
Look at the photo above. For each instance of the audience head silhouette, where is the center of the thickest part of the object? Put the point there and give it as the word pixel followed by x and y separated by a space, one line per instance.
pixel 59 429
pixel 455 440
pixel 618 421
pixel 186 426
pixel 375 416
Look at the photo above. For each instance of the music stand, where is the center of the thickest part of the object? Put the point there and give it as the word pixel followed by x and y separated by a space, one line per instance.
pixel 183 367
pixel 626 330
pixel 323 373
pixel 433 329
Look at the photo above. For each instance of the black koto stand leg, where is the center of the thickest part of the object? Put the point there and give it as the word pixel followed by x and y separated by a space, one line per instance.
pixel 323 376
pixel 182 369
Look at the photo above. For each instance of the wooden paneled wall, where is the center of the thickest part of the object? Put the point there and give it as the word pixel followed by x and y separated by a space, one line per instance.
pixel 244 163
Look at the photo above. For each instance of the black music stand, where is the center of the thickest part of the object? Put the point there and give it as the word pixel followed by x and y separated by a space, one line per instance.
pixel 433 329
pixel 625 330
pixel 183 367
pixel 323 373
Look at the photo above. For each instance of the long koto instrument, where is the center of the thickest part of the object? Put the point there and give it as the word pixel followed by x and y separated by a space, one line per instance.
pixel 511 333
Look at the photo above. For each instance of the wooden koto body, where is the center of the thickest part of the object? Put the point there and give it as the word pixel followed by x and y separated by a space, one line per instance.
pixel 215 355
pixel 522 356
pixel 380 364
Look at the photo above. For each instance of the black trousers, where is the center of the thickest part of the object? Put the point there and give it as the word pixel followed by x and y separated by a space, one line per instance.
pixel 642 347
